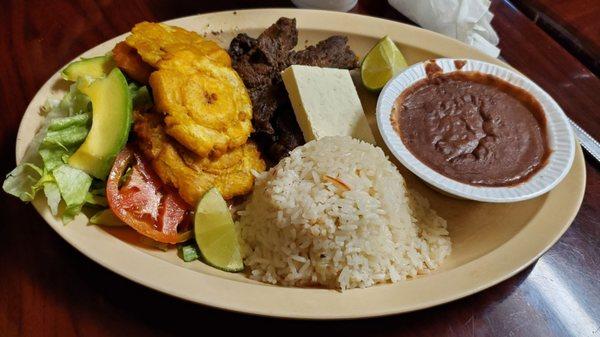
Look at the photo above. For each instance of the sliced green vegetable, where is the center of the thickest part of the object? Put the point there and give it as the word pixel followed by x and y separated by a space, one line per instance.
pixel 95 67
pixel 112 115
pixel 189 252
pixel 96 200
pixel 140 96
pixel 106 217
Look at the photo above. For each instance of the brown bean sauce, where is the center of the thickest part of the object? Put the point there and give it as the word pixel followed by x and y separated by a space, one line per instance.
pixel 472 127
pixel 459 64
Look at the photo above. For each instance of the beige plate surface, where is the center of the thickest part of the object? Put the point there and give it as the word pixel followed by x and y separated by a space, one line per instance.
pixel 491 242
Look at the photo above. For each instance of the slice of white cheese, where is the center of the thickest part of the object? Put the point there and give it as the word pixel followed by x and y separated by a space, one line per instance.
pixel 326 103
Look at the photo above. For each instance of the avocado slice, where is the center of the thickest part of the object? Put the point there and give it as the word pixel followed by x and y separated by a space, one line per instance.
pixel 111 121
pixel 95 67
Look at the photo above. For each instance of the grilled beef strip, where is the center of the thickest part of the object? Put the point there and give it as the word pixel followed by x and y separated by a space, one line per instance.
pixel 259 63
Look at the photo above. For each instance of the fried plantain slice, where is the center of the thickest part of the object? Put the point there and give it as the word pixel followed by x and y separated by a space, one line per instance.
pixel 191 174
pixel 128 60
pixel 153 41
pixel 207 108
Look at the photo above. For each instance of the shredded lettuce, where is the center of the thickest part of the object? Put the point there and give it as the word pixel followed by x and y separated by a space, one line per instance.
pixel 74 102
pixel 63 137
pixel 73 185
pixel 22 182
pixel 44 165
pixel 53 196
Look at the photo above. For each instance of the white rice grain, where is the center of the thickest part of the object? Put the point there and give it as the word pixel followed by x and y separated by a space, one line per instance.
pixel 301 230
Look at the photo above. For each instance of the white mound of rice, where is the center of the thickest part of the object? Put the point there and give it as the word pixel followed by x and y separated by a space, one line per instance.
pixel 303 227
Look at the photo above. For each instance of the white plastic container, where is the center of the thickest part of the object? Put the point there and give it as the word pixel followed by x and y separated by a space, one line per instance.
pixel 561 139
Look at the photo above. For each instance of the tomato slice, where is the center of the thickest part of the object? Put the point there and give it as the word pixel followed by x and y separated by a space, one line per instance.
pixel 140 199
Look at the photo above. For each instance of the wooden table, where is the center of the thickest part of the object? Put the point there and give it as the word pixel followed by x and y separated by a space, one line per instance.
pixel 47 288
pixel 574 24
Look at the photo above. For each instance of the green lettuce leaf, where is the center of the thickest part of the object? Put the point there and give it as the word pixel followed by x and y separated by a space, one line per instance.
pixel 73 185
pixel 52 196
pixel 22 182
pixel 106 217
pixel 63 137
pixel 96 200
pixel 44 165
pixel 141 97
pixel 73 103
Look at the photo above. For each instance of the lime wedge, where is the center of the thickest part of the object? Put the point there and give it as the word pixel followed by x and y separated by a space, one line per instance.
pixel 215 233
pixel 381 63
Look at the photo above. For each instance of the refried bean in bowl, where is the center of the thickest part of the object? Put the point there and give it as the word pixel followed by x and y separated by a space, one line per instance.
pixel 476 130
pixel 472 127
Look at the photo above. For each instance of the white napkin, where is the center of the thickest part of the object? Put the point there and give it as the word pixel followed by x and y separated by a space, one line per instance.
pixel 464 20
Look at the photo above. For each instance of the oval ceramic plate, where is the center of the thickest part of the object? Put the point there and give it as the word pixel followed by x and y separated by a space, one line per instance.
pixel 491 242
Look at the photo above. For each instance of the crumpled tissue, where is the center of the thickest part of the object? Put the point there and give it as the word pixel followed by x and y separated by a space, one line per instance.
pixel 464 20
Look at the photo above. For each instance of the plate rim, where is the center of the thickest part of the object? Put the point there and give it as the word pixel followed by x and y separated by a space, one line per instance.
pixel 213 282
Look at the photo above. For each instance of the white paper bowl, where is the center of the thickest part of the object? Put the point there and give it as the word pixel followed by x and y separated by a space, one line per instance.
pixel 560 137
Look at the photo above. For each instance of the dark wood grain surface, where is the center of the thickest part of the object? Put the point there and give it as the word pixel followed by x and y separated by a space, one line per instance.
pixel 47 288
pixel 574 23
